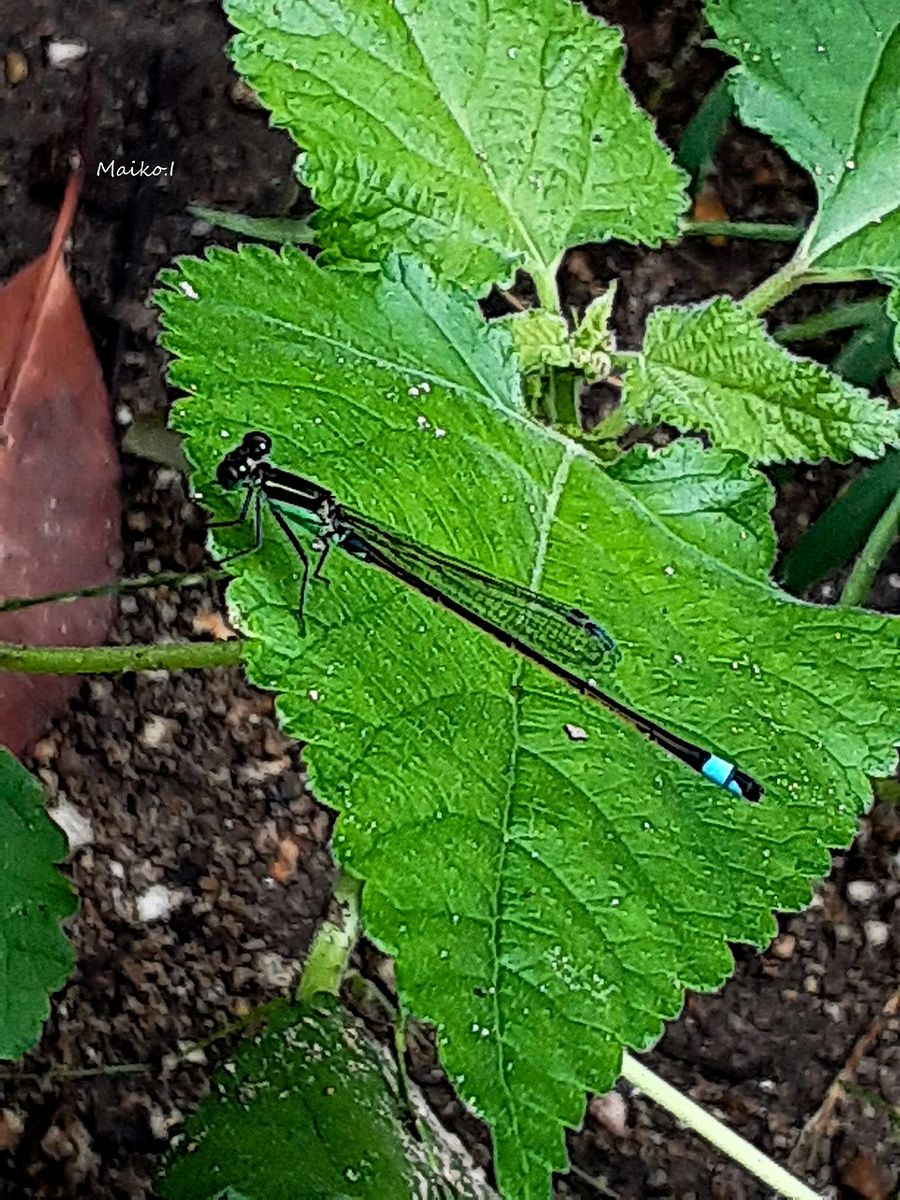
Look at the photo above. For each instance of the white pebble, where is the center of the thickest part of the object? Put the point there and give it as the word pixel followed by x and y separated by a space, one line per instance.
pixel 157 731
pixel 156 902
pixel 861 891
pixel 62 54
pixel 75 825
pixel 877 933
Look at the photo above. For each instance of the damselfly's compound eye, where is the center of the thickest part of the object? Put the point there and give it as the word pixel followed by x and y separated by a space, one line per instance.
pixel 228 474
pixel 257 444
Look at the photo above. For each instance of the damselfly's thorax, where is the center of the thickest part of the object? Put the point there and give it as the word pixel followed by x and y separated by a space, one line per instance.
pixel 248 466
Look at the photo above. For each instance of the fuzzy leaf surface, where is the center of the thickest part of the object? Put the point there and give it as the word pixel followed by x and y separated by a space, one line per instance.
pixel 713 367
pixel 479 137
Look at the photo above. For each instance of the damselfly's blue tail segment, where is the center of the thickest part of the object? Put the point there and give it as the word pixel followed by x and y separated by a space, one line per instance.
pixel 563 640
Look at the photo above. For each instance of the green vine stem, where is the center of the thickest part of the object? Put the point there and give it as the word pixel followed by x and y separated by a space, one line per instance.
pixel 717 1134
pixel 860 580
pixel 792 276
pixel 113 660
pixel 754 230
pixel 137 584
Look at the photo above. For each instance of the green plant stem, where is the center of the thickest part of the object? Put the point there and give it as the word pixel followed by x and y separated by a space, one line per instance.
pixel 762 231
pixel 842 316
pixel 717 1134
pixel 792 276
pixel 111 1069
pixel 860 580
pixel 101 660
pixel 545 286
pixel 776 287
pixel 326 963
pixel 137 584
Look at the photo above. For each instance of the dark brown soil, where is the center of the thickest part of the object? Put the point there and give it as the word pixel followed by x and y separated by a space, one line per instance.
pixel 188 785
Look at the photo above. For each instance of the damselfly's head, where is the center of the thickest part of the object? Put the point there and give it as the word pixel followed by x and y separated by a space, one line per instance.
pixel 240 466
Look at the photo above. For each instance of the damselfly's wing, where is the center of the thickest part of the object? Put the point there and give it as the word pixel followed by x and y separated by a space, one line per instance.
pixel 565 634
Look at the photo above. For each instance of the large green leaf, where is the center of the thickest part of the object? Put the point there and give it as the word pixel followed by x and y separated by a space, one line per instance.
pixel 822 80
pixel 481 137
pixel 549 895
pixel 309 1108
pixel 35 956
pixel 714 367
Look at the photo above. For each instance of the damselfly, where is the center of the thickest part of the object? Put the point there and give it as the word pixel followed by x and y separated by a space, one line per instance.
pixel 565 641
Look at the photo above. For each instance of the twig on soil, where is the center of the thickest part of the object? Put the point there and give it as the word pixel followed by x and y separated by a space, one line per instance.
pixel 819 1125
pixel 137 584
pixel 170 1061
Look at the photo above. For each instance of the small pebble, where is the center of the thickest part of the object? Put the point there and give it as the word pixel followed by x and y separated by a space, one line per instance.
pixel 784 946
pixel 611 1111
pixel 157 731
pixel 11 1128
pixel 861 891
pixel 243 96
pixel 877 934
pixel 62 54
pixel 16 67
pixel 156 902
pixel 75 825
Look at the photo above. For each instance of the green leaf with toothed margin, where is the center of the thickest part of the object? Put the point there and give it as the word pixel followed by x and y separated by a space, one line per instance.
pixel 549 881
pixel 35 954
pixel 823 83
pixel 479 137
pixel 713 367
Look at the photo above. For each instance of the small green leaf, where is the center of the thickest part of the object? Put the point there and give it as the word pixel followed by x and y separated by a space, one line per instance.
pixel 843 528
pixel 822 81
pixel 712 500
pixel 308 1108
pixel 459 132
pixel 548 897
pixel 540 338
pixel 593 340
pixel 705 128
pixel 714 367
pixel 37 958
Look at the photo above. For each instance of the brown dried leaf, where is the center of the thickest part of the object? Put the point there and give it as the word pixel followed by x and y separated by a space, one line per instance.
pixel 59 501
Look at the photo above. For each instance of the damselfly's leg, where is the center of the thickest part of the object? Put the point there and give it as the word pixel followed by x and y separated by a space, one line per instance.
pixel 325 547
pixel 298 549
pixel 256 498
pixel 240 518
